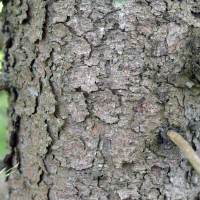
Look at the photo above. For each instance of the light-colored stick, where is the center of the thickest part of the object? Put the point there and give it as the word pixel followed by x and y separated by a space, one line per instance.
pixel 187 150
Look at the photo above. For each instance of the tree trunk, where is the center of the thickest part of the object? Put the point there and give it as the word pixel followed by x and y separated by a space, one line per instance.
pixel 95 86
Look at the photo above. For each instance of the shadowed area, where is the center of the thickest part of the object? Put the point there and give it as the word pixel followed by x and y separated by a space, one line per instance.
pixel 3 186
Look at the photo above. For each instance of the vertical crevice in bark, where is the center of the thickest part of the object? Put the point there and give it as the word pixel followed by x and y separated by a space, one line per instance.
pixel 4 82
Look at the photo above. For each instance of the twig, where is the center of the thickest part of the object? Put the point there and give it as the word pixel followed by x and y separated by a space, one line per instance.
pixel 187 150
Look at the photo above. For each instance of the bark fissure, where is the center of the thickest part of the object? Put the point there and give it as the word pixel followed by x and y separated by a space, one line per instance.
pixel 4 81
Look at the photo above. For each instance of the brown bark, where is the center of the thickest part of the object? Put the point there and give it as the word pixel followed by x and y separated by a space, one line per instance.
pixel 95 87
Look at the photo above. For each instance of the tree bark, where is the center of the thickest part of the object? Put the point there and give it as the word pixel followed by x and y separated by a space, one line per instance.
pixel 95 87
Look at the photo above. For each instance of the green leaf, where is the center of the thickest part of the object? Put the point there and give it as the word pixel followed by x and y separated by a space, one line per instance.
pixel 8 172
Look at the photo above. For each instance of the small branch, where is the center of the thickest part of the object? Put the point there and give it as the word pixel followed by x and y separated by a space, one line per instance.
pixel 4 80
pixel 187 150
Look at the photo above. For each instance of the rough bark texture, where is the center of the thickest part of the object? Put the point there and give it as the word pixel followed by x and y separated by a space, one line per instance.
pixel 95 87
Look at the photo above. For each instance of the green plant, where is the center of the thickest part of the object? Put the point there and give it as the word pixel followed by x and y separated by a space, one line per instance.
pixel 8 172
pixel 1 6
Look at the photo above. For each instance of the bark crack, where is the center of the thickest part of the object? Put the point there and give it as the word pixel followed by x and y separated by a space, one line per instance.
pixel 13 141
pixel 4 81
